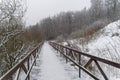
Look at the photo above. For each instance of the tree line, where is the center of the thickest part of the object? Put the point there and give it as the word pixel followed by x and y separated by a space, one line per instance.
pixel 67 22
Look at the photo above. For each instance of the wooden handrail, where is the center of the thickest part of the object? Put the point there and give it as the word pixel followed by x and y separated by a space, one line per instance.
pixel 21 65
pixel 65 50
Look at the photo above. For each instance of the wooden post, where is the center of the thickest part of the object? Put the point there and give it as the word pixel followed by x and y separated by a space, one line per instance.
pixel 79 64
pixel 37 53
pixel 34 55
pixel 28 66
pixel 66 55
pixel 57 47
pixel 60 51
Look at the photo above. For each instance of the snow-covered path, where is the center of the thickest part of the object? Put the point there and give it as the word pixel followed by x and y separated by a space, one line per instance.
pixel 51 67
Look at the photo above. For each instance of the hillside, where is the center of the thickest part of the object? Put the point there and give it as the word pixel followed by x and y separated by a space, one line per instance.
pixel 107 43
pixel 106 46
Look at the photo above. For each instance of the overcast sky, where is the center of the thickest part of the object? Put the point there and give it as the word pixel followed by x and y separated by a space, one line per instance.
pixel 39 9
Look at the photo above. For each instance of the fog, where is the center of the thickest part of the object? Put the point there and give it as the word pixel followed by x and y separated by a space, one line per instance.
pixel 39 9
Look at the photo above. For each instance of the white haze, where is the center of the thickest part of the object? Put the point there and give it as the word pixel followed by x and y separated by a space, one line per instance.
pixel 39 9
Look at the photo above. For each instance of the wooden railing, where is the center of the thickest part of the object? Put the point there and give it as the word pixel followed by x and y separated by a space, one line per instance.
pixel 70 54
pixel 21 71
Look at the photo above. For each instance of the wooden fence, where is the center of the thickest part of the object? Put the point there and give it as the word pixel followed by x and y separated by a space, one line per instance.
pixel 70 54
pixel 23 67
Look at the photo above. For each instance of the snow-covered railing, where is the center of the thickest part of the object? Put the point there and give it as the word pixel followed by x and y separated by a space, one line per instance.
pixel 70 54
pixel 21 71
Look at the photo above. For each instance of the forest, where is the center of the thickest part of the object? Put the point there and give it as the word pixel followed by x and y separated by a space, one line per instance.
pixel 85 22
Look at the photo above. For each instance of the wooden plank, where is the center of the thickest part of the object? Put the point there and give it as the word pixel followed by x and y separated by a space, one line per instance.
pixel 66 54
pixel 100 69
pixel 88 63
pixel 28 66
pixel 79 64
pixel 28 72
pixel 17 74
pixel 24 68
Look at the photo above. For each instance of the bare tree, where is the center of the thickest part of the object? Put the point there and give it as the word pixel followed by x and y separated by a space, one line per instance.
pixel 112 8
pixel 11 14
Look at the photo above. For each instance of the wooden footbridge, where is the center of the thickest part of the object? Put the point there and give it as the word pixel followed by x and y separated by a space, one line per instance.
pixel 75 56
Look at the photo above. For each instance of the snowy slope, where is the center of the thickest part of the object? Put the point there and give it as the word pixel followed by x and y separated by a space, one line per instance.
pixel 106 46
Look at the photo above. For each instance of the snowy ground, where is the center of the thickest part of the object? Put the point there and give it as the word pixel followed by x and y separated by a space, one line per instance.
pixel 106 46
pixel 51 66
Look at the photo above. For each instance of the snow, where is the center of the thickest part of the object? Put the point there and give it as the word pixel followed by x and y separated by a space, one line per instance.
pixel 51 70
pixel 106 46
pixel 52 66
